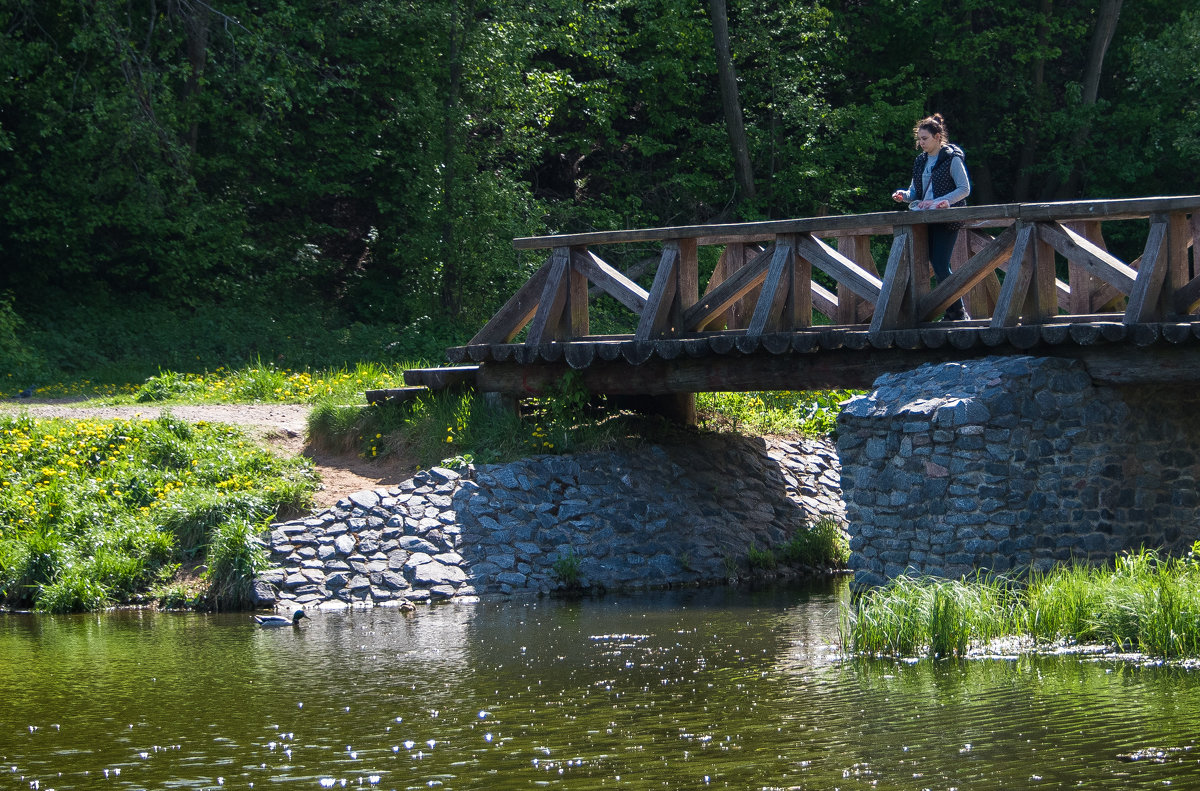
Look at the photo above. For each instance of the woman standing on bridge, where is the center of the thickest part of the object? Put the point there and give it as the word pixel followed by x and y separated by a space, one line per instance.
pixel 939 181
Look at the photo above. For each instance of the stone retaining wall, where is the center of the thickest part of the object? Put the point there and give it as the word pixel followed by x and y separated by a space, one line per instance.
pixel 655 516
pixel 1011 462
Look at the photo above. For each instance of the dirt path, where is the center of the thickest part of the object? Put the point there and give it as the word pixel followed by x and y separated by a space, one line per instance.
pixel 279 426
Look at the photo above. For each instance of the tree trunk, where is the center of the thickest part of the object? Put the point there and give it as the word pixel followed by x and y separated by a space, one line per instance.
pixel 742 170
pixel 451 287
pixel 1021 188
pixel 1106 26
pixel 196 27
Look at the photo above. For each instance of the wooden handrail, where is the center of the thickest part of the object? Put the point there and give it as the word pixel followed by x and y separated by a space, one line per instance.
pixel 772 291
pixel 875 223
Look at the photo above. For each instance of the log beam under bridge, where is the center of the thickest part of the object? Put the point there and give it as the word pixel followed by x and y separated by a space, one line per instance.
pixel 1163 362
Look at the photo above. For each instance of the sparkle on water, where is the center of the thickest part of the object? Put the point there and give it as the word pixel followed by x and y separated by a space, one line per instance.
pixel 706 688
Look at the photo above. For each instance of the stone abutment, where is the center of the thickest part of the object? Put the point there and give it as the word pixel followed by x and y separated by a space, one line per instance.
pixel 1011 463
pixel 653 516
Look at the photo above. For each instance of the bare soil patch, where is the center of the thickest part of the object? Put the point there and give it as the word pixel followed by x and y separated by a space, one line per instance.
pixel 280 427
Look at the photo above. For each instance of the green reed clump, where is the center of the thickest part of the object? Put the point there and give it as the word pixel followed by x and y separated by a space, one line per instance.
pixel 927 616
pixel 235 557
pixel 1063 603
pixel 96 512
pixel 1142 602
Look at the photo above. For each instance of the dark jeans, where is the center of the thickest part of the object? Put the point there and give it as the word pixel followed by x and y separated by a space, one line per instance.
pixel 941 244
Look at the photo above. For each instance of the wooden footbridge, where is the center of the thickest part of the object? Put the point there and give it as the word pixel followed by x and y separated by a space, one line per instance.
pixel 1037 278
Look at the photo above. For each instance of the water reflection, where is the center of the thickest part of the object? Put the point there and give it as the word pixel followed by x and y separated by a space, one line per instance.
pixel 713 688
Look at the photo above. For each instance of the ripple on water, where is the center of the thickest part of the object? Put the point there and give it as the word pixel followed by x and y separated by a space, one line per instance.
pixel 682 689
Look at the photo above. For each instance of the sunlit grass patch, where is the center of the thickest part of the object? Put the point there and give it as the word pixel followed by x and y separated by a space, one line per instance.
pixel 813 413
pixel 92 512
pixel 257 383
pixel 1143 602
pixel 266 383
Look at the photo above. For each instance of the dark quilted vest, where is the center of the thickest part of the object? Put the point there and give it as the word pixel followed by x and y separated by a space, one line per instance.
pixel 943 182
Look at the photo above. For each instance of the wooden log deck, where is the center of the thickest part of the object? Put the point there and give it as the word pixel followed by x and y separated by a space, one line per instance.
pixel 1037 278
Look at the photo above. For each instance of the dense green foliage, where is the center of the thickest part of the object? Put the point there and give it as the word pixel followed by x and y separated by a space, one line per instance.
pixel 94 512
pixel 366 164
pixel 1143 602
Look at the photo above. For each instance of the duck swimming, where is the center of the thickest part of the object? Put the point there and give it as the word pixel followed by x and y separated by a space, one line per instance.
pixel 279 620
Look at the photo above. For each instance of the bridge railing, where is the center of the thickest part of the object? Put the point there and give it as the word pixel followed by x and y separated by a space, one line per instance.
pixel 1004 267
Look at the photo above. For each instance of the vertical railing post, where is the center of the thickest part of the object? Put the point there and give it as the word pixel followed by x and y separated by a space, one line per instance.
pixel 799 308
pixel 851 308
pixel 579 323
pixel 1041 301
pixel 922 270
pixel 1083 283
pixel 1178 271
pixel 689 275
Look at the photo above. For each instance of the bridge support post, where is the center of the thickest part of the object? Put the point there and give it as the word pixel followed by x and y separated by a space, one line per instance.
pixel 1005 464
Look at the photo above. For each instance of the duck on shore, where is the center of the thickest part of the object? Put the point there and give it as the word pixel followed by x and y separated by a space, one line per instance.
pixel 279 620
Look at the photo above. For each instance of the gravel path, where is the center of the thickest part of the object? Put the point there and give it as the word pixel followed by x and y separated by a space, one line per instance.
pixel 271 417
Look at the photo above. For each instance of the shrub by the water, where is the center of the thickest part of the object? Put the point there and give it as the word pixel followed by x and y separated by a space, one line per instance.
pixel 823 545
pixel 568 569
pixel 763 559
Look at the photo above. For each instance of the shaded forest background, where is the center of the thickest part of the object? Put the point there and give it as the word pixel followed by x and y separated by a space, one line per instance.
pixel 190 184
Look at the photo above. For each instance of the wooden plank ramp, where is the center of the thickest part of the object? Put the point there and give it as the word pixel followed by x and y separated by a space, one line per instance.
pixel 422 381
pixel 397 395
pixel 447 378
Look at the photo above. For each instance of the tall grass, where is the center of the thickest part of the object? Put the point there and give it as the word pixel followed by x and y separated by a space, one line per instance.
pixel 96 512
pixel 1144 602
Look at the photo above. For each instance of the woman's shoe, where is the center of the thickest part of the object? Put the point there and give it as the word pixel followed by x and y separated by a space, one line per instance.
pixel 955 312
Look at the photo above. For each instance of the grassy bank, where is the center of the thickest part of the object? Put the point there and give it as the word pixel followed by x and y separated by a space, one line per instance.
pixel 1142 602
pixel 102 512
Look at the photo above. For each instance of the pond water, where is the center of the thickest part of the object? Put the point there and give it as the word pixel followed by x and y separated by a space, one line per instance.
pixel 718 688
